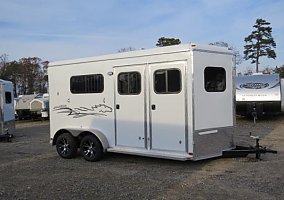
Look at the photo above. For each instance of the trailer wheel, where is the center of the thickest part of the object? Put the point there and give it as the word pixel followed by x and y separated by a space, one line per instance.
pixel 91 148
pixel 66 145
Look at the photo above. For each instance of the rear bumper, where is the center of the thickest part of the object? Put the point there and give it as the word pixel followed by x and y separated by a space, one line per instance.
pixel 246 108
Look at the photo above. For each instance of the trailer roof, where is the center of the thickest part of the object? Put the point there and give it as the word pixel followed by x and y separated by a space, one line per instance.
pixel 146 52
pixel 5 81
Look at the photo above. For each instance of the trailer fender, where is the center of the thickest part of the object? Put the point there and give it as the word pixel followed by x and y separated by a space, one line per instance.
pixel 80 133
pixel 102 138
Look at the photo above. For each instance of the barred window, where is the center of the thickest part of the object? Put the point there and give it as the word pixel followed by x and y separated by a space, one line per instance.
pixel 167 81
pixel 93 83
pixel 129 83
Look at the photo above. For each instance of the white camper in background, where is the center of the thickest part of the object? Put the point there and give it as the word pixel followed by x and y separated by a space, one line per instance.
pixel 7 113
pixel 22 106
pixel 39 106
pixel 259 94
pixel 172 102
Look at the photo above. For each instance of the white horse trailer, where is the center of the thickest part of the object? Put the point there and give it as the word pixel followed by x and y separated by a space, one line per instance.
pixel 7 113
pixel 172 102
pixel 259 94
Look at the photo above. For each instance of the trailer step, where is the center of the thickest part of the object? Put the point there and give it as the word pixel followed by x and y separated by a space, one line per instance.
pixel 182 156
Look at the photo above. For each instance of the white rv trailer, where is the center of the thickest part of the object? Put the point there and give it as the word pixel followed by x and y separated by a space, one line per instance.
pixel 172 102
pixel 259 94
pixel 22 106
pixel 7 114
pixel 39 106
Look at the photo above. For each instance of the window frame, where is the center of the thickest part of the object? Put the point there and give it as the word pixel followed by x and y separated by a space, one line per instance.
pixel 167 81
pixel 219 71
pixel 8 98
pixel 128 82
pixel 88 81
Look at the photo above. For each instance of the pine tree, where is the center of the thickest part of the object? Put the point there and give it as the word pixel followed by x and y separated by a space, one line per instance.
pixel 167 42
pixel 259 43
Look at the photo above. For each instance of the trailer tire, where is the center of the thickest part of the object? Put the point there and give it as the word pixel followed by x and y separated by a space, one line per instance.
pixel 91 148
pixel 66 146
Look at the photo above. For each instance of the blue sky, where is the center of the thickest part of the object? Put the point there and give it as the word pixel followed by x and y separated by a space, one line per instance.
pixel 65 29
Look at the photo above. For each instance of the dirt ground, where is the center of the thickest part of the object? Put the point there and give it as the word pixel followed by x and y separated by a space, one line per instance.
pixel 31 169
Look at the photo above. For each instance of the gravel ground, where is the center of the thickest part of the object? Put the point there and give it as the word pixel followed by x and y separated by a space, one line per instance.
pixel 31 169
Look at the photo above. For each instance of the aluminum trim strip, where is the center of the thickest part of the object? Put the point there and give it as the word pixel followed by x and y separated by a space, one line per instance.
pixel 145 107
pixel 186 103
pixel 207 132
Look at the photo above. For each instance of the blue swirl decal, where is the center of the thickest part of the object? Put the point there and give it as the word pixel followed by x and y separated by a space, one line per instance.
pixel 254 85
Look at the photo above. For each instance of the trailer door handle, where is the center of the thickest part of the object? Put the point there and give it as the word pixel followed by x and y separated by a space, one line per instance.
pixel 117 106
pixel 153 107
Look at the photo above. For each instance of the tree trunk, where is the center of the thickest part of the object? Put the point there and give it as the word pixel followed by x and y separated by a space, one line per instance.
pixel 257 57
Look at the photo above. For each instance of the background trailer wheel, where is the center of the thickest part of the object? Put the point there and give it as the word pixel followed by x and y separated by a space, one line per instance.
pixel 66 146
pixel 91 148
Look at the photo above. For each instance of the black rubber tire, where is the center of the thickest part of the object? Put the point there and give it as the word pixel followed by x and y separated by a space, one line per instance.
pixel 91 148
pixel 66 146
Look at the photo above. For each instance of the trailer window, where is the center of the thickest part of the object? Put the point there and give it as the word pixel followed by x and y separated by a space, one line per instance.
pixel 129 83
pixel 215 79
pixel 87 84
pixel 167 81
pixel 8 97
